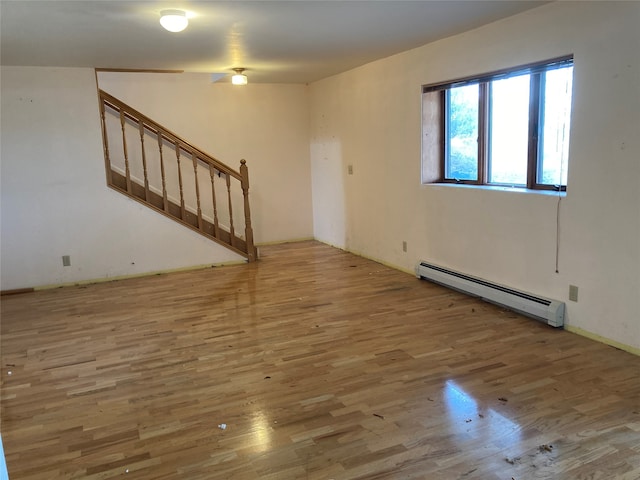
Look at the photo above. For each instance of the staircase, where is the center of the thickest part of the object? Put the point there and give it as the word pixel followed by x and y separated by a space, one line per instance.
pixel 156 167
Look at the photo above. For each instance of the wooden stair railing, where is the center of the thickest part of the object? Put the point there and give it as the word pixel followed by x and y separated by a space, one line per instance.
pixel 169 179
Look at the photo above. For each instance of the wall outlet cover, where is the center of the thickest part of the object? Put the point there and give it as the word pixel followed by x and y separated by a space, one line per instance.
pixel 573 293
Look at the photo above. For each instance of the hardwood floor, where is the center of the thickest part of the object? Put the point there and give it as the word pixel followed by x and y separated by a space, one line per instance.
pixel 322 365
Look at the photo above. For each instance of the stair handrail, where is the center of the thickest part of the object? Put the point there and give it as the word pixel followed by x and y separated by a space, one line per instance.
pixel 156 128
pixel 179 143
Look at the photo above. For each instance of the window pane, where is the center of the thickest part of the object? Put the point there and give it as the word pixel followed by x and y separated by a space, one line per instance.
pixel 509 130
pixel 461 149
pixel 555 117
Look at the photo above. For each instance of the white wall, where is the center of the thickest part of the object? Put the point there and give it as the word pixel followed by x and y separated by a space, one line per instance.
pixel 266 124
pixel 54 199
pixel 370 118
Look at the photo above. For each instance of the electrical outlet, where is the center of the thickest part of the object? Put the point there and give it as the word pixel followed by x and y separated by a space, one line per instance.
pixel 66 260
pixel 404 246
pixel 573 293
pixel 350 169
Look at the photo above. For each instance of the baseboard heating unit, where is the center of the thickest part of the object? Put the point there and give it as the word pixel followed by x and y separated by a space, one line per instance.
pixel 545 309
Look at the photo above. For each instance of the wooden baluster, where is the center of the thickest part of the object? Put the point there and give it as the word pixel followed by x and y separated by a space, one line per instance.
pixel 126 156
pixel 216 231
pixel 182 209
pixel 144 161
pixel 105 143
pixel 231 229
pixel 165 200
pixel 195 176
pixel 244 172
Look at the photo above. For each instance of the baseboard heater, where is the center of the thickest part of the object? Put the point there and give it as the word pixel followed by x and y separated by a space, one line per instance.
pixel 545 309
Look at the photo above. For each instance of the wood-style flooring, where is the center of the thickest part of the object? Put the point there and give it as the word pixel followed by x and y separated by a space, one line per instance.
pixel 309 364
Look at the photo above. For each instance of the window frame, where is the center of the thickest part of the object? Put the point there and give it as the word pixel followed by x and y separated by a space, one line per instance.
pixel 535 128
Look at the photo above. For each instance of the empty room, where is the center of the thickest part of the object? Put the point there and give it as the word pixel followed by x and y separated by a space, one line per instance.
pixel 320 240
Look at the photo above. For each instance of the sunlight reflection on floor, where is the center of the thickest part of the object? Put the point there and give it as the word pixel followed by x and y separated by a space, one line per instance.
pixel 466 417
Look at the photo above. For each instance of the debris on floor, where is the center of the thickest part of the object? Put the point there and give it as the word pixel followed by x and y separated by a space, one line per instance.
pixel 503 399
pixel 379 416
pixel 545 448
pixel 222 426
pixel 512 461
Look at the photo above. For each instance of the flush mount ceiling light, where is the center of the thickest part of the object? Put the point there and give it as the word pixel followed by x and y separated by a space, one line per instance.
pixel 174 20
pixel 239 78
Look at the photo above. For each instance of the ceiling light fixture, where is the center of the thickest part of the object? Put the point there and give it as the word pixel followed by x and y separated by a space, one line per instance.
pixel 239 78
pixel 174 20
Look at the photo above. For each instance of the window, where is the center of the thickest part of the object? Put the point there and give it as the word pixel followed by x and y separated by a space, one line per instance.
pixel 508 128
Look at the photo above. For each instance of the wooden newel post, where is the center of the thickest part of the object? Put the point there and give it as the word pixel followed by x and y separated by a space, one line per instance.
pixel 244 173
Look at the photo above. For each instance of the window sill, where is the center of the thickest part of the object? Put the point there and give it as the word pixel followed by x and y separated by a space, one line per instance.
pixel 498 188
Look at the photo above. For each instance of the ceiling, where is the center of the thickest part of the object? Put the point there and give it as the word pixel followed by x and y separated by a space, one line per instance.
pixel 296 41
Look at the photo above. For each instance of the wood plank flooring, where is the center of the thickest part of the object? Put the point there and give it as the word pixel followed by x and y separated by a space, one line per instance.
pixel 321 364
